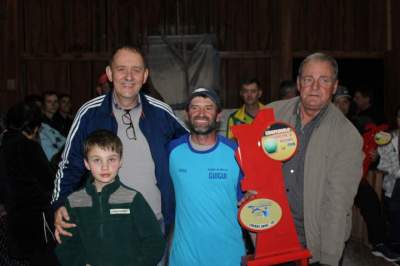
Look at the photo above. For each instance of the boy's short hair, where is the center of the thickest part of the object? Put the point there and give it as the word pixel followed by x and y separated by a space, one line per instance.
pixel 105 139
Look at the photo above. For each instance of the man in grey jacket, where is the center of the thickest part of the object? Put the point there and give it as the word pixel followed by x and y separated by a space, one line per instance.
pixel 322 178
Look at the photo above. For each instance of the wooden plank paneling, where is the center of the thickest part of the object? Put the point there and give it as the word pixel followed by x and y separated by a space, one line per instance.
pixel 31 80
pixel 9 91
pixel 240 69
pixel 339 25
pixel 3 44
pixel 78 34
pixel 82 87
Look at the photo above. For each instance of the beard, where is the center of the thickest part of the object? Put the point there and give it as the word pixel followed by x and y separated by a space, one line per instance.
pixel 203 130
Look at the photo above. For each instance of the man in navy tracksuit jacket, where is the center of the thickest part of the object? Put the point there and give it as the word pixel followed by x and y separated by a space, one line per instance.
pixel 158 124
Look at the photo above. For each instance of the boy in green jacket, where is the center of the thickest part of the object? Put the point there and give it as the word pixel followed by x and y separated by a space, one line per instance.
pixel 114 225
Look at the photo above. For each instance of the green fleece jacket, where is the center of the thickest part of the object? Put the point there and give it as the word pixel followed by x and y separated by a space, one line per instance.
pixel 332 173
pixel 114 227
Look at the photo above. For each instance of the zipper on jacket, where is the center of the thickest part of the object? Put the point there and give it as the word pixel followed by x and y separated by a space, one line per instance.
pixel 101 215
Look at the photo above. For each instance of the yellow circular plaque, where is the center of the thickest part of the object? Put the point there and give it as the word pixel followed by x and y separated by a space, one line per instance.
pixel 279 141
pixel 382 138
pixel 260 214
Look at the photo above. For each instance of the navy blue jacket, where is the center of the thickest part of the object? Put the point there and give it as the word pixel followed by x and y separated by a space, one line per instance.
pixel 158 124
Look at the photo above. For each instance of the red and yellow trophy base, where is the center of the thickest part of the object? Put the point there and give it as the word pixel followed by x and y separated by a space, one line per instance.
pixel 300 257
pixel 277 243
pixel 263 145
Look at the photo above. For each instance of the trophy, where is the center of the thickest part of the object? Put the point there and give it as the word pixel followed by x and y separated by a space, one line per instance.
pixel 262 146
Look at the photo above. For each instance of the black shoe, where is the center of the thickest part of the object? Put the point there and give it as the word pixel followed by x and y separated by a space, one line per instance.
pixel 381 250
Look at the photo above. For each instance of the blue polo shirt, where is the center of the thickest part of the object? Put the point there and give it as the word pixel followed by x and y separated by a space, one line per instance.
pixel 207 189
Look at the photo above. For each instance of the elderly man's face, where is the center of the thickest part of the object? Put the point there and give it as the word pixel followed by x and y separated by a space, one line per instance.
pixel 128 74
pixel 316 85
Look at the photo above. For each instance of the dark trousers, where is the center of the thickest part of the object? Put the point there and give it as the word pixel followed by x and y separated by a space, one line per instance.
pixel 371 210
pixel 392 206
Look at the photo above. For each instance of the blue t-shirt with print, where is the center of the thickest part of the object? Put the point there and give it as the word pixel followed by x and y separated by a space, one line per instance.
pixel 207 187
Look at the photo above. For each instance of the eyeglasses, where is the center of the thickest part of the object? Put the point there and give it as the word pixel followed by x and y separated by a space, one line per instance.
pixel 323 81
pixel 130 130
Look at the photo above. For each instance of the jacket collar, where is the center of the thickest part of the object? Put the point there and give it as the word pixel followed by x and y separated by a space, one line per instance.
pixel 317 118
pixel 107 104
pixel 241 112
pixel 107 189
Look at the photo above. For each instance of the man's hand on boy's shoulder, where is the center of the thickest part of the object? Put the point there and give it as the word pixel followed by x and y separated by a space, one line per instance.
pixel 60 222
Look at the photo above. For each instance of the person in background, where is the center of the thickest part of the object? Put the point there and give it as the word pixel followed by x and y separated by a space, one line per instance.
pixel 51 139
pixel 103 86
pixel 389 164
pixel 29 181
pixel 50 106
pixel 366 111
pixel 115 224
pixel 250 92
pixel 36 99
pixel 64 115
pixel 342 100
pixel 366 200
pixel 287 89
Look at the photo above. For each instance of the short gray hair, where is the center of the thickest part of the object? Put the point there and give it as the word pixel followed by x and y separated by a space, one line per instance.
pixel 323 58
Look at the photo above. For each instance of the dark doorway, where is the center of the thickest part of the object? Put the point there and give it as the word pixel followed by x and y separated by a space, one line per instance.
pixel 356 73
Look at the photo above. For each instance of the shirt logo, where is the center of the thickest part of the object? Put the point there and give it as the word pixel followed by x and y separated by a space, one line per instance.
pixel 120 211
pixel 217 173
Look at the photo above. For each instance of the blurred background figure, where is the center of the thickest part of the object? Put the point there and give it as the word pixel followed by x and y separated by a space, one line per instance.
pixel 50 107
pixel 34 98
pixel 250 92
pixel 342 100
pixel 64 116
pixel 103 85
pixel 28 183
pixel 366 112
pixel 51 139
pixel 287 89
pixel 389 164
pixel 366 199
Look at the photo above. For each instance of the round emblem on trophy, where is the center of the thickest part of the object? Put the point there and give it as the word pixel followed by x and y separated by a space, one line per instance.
pixel 382 138
pixel 279 141
pixel 260 214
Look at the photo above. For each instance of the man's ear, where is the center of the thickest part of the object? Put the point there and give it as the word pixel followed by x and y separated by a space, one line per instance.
pixel 146 75
pixel 86 164
pixel 109 73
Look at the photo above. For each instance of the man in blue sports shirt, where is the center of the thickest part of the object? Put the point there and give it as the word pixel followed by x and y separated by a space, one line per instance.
pixel 206 179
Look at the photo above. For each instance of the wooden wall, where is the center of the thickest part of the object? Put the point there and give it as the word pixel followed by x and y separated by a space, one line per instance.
pixel 63 45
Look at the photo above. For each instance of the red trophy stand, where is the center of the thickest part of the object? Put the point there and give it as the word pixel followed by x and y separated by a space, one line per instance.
pixel 262 146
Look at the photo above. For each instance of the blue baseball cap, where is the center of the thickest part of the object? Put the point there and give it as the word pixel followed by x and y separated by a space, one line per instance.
pixel 205 92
